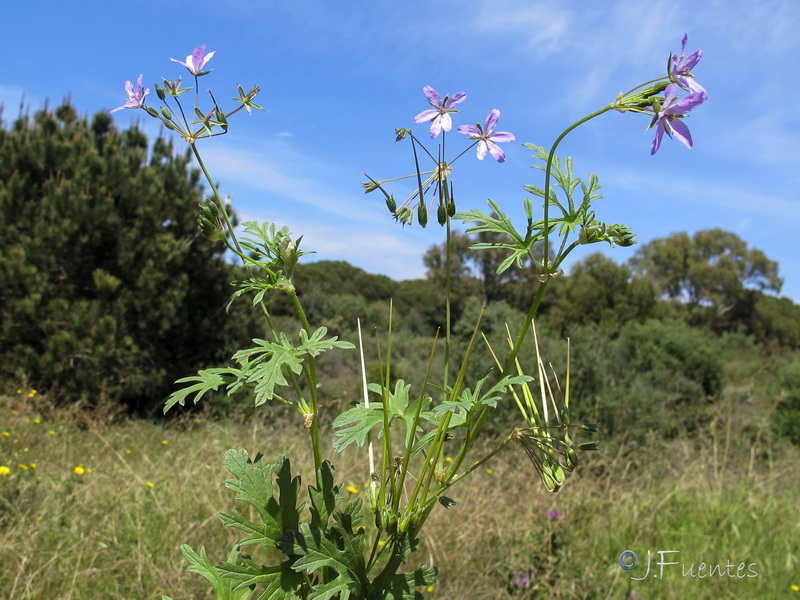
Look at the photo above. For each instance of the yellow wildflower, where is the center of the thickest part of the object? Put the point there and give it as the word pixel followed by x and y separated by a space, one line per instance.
pixel 489 471
pixel 37 420
pixel 128 451
pixel 448 459
pixel 4 470
pixel 429 589
pixel 6 434
pixel 32 465
pixel 52 432
pixel 150 484
pixel 352 489
pixel 23 467
pixel 164 442
pixel 79 470
pixel 795 588
pixel 19 391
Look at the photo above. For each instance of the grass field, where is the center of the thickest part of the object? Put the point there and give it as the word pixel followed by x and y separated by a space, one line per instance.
pixel 91 510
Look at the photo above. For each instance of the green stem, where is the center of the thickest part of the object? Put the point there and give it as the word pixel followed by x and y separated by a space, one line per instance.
pixel 546 270
pixel 217 197
pixel 447 291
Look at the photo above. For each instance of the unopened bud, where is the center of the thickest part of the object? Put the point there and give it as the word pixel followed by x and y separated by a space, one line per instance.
pixel 422 214
pixel 391 204
pixel 447 502
pixel 591 427
pixel 400 134
pixel 441 214
pixel 588 446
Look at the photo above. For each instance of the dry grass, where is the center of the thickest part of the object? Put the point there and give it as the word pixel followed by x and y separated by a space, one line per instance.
pixel 107 534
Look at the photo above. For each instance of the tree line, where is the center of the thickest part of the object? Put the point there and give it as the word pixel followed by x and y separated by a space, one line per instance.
pixel 108 293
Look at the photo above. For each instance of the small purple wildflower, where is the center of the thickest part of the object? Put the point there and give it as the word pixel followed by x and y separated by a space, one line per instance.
pixel 439 115
pixel 135 95
pixel 668 119
pixel 680 68
pixel 487 137
pixel 521 580
pixel 554 514
pixel 196 60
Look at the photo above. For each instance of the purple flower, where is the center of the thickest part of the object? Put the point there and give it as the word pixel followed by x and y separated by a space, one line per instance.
pixel 439 115
pixel 669 117
pixel 521 580
pixel 680 68
pixel 196 60
pixel 135 95
pixel 486 136
pixel 554 514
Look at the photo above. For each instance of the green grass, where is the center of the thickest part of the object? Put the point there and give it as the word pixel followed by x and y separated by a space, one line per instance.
pixel 107 534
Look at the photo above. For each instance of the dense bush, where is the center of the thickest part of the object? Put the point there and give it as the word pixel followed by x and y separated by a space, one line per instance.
pixel 107 290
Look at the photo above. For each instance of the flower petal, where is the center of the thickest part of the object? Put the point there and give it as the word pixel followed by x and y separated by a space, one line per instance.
pixel 426 115
pixel 436 126
pixel 469 130
pixel 447 122
pixel 481 150
pixel 684 105
pixel 657 140
pixel 456 98
pixel 432 95
pixel 491 121
pixel 502 136
pixel 496 151
pixel 681 132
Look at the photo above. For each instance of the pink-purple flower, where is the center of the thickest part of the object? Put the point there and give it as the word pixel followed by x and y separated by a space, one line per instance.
pixel 521 580
pixel 135 95
pixel 554 514
pixel 668 119
pixel 439 115
pixel 680 68
pixel 196 60
pixel 487 137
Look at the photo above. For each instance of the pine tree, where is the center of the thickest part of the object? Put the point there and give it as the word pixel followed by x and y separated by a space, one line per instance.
pixel 107 290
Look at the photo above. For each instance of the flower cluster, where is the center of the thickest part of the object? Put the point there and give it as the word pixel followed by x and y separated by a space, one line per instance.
pixel 204 122
pixel 440 120
pixel 436 182
pixel 670 111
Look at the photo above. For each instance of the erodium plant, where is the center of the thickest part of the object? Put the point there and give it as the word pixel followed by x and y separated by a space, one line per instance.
pixel 321 545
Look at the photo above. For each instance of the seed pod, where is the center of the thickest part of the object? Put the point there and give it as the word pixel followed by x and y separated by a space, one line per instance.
pixel 391 204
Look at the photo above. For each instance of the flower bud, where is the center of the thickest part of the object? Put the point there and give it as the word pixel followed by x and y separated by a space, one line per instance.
pixel 587 446
pixel 441 215
pixel 422 214
pixel 447 502
pixel 571 459
pixel 388 519
pixel 372 496
pixel 591 427
pixel 401 133
pixel 391 204
pixel 165 112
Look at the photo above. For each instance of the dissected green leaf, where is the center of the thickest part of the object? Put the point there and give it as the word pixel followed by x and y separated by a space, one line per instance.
pixel 207 380
pixel 264 364
pixel 282 583
pixel 254 485
pixel 199 563
pixel 325 498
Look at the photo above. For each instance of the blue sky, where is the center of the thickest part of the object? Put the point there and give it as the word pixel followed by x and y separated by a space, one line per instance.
pixel 338 77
